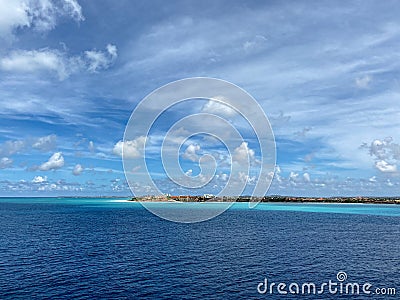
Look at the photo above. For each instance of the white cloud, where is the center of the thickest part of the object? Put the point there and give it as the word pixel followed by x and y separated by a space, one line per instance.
pixel 245 178
pixel 112 50
pixel 377 148
pixel 78 169
pixel 5 162
pixel 386 154
pixel 74 9
pixel 100 60
pixel 22 61
pixel 130 149
pixel 41 15
pixel 43 184
pixel 45 143
pixel 243 154
pixel 293 176
pixel 306 177
pixel 270 176
pixel 224 177
pixel 56 161
pixel 57 62
pixel 363 82
pixel 12 147
pixel 44 14
pixel 39 179
pixel 191 152
pixel 218 108
pixel 13 14
pixel 385 167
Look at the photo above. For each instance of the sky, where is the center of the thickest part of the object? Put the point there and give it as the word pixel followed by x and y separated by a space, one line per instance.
pixel 326 74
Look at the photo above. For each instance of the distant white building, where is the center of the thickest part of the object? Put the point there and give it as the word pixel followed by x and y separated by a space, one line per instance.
pixel 208 196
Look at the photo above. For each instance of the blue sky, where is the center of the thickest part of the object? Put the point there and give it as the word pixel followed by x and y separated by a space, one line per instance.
pixel 326 75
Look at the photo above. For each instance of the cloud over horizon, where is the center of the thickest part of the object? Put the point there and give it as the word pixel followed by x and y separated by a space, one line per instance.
pixel 327 78
pixel 56 161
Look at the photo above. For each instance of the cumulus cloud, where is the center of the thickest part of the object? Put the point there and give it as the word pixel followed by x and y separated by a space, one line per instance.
pixel 56 161
pixel 275 176
pixel 385 167
pixel 41 15
pixel 130 149
pixel 5 162
pixel 191 152
pixel 57 62
pixel 218 108
pixel 39 179
pixel 378 148
pixel 386 154
pixel 293 177
pixel 78 169
pixel 293 182
pixel 243 154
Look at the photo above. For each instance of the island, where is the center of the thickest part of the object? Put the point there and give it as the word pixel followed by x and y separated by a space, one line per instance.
pixel 271 198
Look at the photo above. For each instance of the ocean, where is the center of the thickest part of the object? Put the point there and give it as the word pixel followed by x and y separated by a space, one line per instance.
pixel 64 248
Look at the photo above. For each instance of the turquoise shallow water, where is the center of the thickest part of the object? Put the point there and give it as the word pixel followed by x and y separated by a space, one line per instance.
pixel 97 248
pixel 362 209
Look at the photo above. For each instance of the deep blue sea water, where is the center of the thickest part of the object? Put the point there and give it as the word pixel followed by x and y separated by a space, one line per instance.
pixel 101 248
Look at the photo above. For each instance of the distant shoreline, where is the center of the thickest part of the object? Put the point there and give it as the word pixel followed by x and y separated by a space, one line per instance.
pixel 225 199
pixel 268 199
